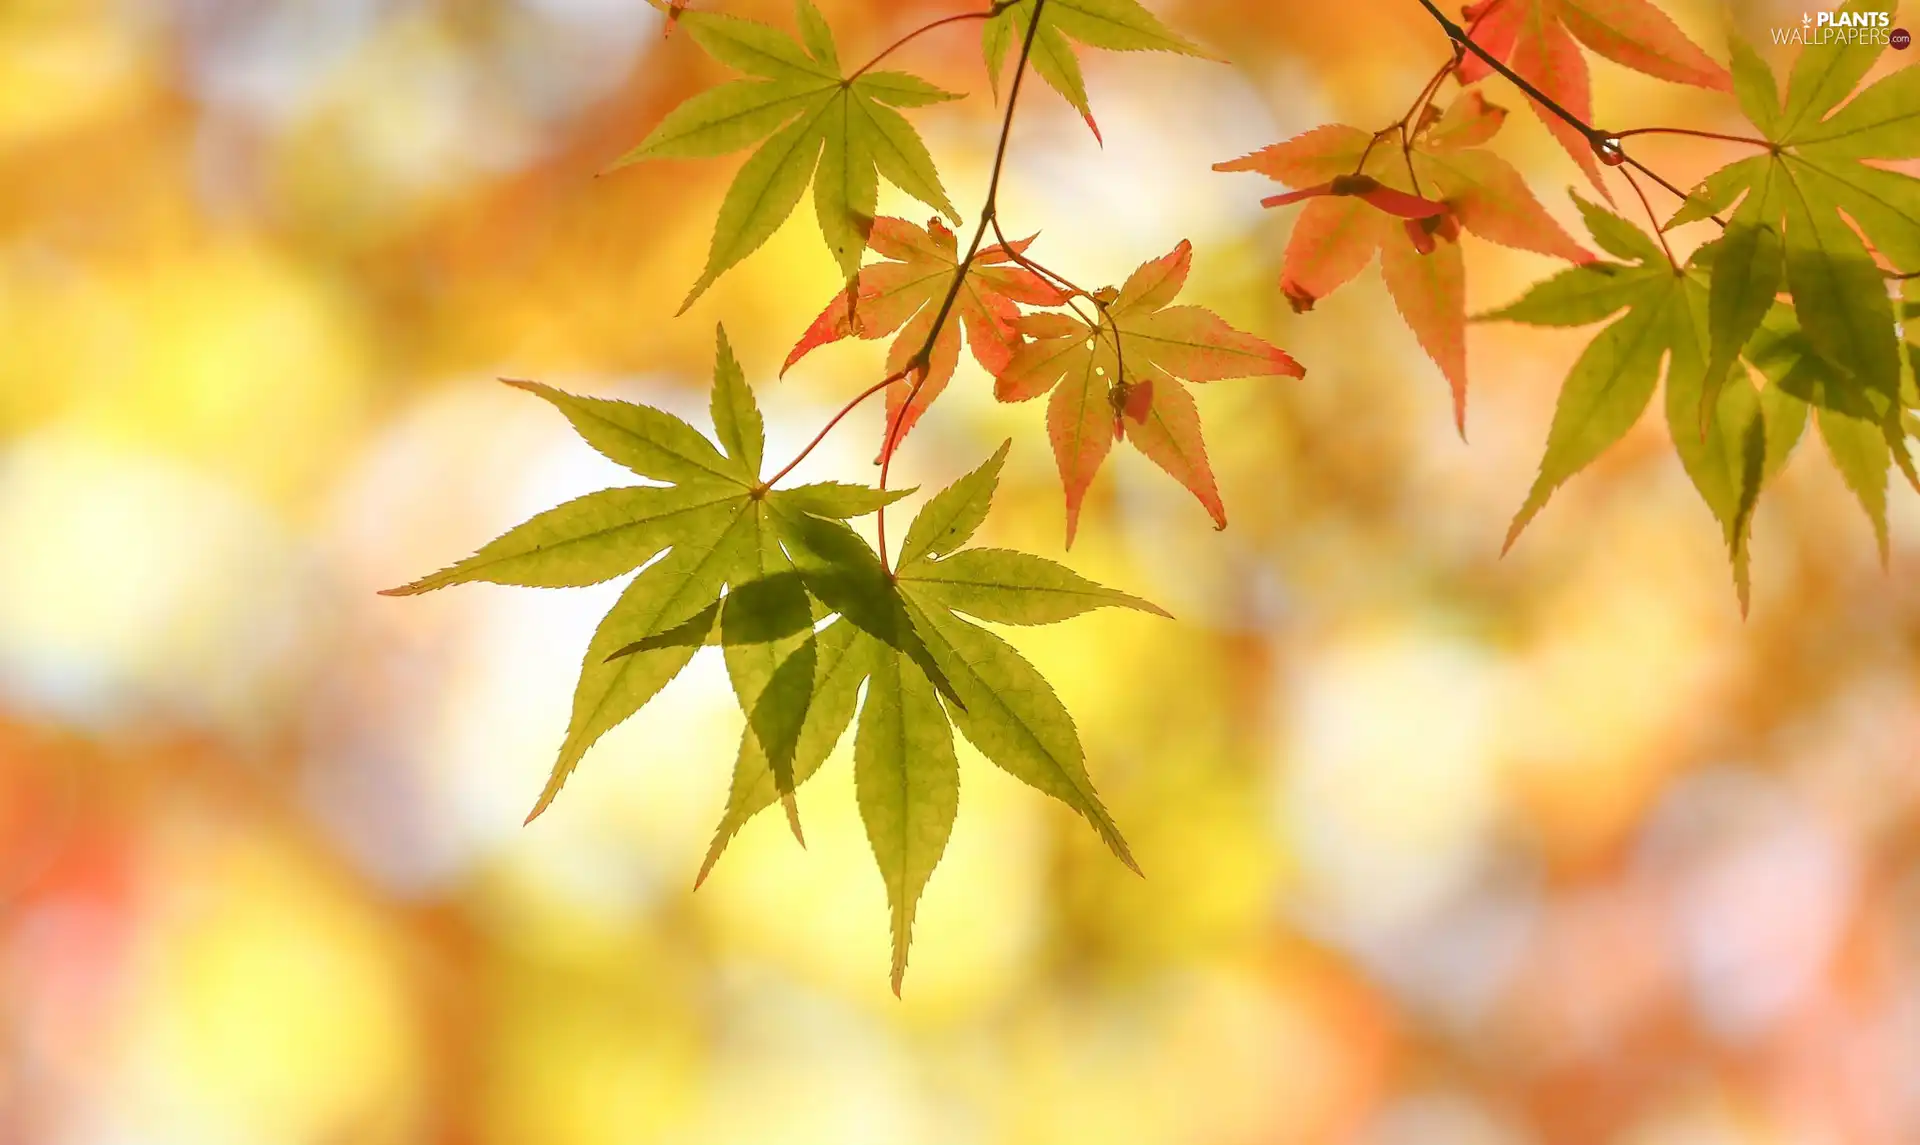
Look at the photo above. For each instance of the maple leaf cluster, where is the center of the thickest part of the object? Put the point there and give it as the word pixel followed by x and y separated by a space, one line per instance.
pixel 1119 377
pixel 813 623
pixel 1540 40
pixel 1367 194
pixel 1785 316
pixel 1818 219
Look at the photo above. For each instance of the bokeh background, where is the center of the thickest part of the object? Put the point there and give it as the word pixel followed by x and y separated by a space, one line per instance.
pixel 1441 848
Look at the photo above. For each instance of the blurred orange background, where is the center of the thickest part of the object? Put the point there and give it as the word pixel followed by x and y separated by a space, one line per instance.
pixel 1441 848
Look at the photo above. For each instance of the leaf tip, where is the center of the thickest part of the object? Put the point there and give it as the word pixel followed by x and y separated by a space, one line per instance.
pixel 721 837
pixel 693 296
pixel 792 807
pixel 1519 525
pixel 1140 604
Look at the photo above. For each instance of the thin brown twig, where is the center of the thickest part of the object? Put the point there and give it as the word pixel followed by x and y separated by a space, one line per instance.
pixel 1657 232
pixel 1464 39
pixel 919 364
pixel 1100 323
pixel 1408 123
pixel 1754 140
pixel 1019 256
pixel 1604 143
pixel 998 7
pixel 862 396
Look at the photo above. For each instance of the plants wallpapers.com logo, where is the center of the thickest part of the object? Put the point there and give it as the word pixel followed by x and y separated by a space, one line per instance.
pixel 1844 28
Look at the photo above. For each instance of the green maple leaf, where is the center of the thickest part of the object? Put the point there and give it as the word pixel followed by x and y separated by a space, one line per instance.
pixel 1662 316
pixel 1910 323
pixel 1117 25
pixel 711 569
pixel 813 125
pixel 1862 429
pixel 1792 228
pixel 928 671
pixel 806 615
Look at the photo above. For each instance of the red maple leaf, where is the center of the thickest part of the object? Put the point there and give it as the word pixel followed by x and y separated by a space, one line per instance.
pixel 1362 197
pixel 1122 378
pixel 905 294
pixel 1536 38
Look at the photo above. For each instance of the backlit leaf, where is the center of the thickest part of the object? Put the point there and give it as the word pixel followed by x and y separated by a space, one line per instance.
pixel 766 628
pixel 951 516
pixel 1859 451
pixel 904 295
pixel 1746 274
pixel 840 662
pixel 1126 376
pixel 585 541
pixel 1536 38
pixel 1116 25
pixel 907 780
pixel 651 442
pixel 1809 192
pixel 836 499
pixel 1604 394
pixel 1365 195
pixel 813 127
pixel 1012 715
pixel 1007 587
pixel 736 416
pixel 626 662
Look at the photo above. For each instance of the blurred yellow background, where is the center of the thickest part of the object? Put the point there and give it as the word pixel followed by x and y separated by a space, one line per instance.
pixel 1441 849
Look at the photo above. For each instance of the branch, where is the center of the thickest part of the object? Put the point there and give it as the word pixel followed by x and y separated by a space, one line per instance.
pixel 1099 324
pixel 1604 143
pixel 1596 138
pixel 925 353
pixel 923 357
pixel 862 396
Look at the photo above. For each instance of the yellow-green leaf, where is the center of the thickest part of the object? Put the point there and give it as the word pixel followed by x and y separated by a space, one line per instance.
pixel 736 416
pixel 627 662
pixel 585 541
pixel 841 657
pixel 1012 715
pixel 836 499
pixel 952 515
pixel 907 781
pixel 1008 587
pixel 651 442
pixel 1603 396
